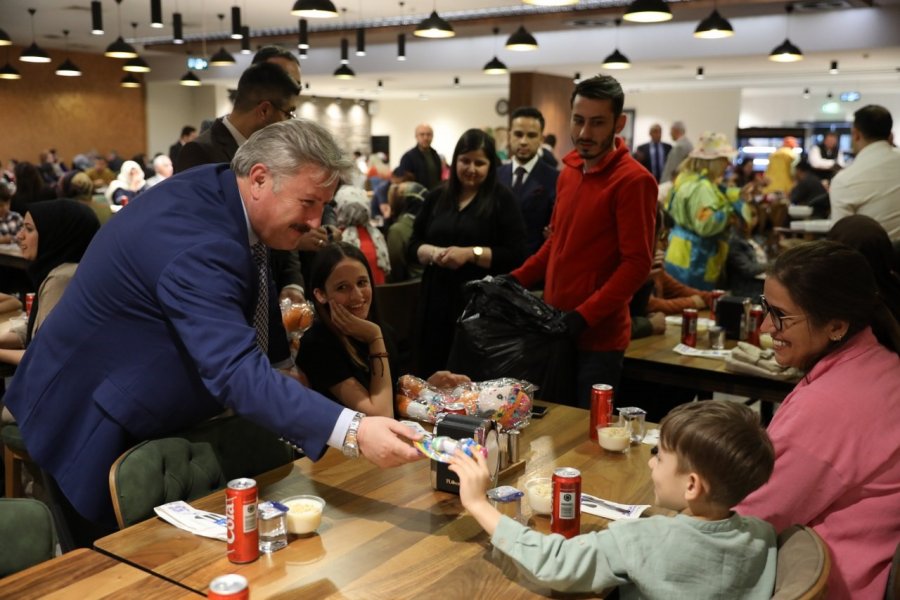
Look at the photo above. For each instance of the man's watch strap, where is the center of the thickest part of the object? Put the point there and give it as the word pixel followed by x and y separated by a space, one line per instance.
pixel 350 448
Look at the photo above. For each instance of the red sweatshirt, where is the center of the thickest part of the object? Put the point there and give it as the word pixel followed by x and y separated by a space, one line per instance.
pixel 601 247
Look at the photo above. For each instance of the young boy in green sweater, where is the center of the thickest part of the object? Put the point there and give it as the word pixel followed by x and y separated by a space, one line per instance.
pixel 711 454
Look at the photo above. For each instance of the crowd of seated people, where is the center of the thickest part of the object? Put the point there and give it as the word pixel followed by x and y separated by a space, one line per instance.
pixel 460 225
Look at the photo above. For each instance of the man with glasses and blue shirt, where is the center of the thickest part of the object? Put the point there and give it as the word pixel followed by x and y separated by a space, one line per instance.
pixel 266 94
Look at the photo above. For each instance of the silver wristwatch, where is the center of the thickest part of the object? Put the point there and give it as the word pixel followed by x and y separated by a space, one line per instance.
pixel 351 445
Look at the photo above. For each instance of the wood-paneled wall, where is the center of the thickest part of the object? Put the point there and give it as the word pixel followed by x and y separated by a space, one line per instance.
pixel 72 114
pixel 550 94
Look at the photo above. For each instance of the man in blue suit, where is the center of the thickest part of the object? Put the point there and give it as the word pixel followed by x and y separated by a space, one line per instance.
pixel 532 180
pixel 156 331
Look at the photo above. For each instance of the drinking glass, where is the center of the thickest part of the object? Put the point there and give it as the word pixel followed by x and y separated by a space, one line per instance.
pixel 633 419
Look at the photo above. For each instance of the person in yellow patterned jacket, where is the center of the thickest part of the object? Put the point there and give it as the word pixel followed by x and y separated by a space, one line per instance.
pixel 701 207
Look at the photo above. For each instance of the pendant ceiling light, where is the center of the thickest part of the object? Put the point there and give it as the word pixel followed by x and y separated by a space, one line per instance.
pixel 303 53
pixel 9 72
pixel 130 81
pixel 303 35
pixel 136 64
pixel 700 74
pixel 786 51
pixel 833 70
pixel 345 51
pixel 616 60
pixel 156 21
pixel 245 40
pixel 96 17
pixel 4 38
pixel 189 79
pixel 120 48
pixel 177 29
pixel 401 46
pixel 495 66
pixel 648 11
pixel 33 53
pixel 67 68
pixel 314 9
pixel 713 27
pixel 222 58
pixel 344 72
pixel 521 41
pixel 360 35
pixel 237 31
pixel 434 26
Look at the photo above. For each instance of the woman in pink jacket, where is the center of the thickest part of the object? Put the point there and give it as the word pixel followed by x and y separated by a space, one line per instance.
pixel 837 446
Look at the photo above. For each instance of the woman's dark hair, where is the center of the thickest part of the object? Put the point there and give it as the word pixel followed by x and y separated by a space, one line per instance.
pixel 29 182
pixel 470 141
pixel 866 235
pixel 323 265
pixel 829 280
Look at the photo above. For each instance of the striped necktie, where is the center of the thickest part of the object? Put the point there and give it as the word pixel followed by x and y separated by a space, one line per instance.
pixel 261 314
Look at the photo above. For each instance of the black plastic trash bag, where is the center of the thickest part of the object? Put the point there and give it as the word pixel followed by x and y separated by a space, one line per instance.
pixel 505 331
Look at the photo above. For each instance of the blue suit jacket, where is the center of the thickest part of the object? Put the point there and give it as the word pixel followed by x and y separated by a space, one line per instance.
pixel 154 334
pixel 536 200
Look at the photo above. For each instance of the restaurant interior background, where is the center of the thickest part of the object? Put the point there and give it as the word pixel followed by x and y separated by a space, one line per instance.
pixel 851 50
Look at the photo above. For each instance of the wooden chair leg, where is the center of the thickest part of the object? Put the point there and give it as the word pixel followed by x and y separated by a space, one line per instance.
pixel 13 478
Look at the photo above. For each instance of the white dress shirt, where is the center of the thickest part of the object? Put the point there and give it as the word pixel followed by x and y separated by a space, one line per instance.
pixel 870 186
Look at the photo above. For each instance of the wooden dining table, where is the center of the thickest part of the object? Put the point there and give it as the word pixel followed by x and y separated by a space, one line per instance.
pixel 385 532
pixel 654 359
pixel 85 573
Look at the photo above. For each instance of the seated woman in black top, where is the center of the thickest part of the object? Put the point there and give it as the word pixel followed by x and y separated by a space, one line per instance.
pixel 345 354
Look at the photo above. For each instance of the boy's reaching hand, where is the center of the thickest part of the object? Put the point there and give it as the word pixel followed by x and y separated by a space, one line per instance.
pixel 474 479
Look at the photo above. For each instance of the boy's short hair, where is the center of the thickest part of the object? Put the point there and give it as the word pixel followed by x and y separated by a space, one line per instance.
pixel 724 443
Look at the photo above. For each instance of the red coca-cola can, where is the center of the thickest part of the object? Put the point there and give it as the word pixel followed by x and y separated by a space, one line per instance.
pixel 229 587
pixel 240 516
pixel 454 408
pixel 29 301
pixel 757 314
pixel 565 516
pixel 689 327
pixel 601 407
pixel 713 300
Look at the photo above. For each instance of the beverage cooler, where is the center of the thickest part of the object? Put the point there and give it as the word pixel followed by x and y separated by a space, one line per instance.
pixel 757 143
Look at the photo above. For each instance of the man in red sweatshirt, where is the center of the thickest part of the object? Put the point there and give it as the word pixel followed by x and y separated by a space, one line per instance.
pixel 601 246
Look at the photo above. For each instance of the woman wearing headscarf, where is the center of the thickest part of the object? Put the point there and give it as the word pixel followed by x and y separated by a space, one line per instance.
pixel 869 238
pixel 354 221
pixel 129 183
pixel 55 235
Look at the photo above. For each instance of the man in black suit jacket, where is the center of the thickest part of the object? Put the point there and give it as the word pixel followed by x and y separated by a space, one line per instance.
pixel 188 134
pixel 532 180
pixel 653 154
pixel 266 94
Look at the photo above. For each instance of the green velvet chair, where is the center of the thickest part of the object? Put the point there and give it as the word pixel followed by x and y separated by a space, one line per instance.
pixel 244 449
pixel 27 535
pixel 159 471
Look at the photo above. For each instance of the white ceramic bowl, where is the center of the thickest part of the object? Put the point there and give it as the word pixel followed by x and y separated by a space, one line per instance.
pixel 539 492
pixel 304 513
pixel 614 439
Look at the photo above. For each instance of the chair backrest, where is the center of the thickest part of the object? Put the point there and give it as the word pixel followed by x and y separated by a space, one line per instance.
pixel 155 472
pixel 398 303
pixel 243 448
pixel 803 566
pixel 26 528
